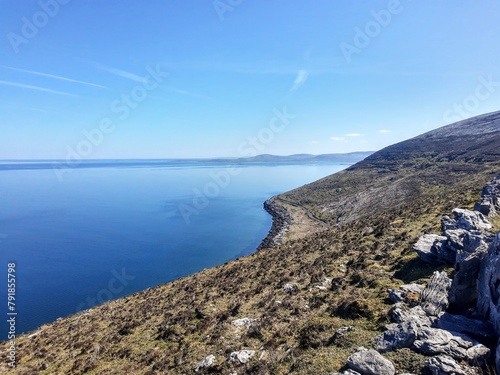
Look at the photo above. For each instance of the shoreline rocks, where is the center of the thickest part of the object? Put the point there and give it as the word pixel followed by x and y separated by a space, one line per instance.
pixel 280 226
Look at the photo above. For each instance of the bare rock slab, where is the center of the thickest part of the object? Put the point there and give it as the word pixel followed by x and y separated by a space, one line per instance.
pixel 370 362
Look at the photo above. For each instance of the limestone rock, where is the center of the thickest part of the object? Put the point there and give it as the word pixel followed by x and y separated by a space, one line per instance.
pixel 488 285
pixel 401 313
pixel 429 247
pixel 471 220
pixel 243 356
pixel 291 288
pixel 463 291
pixel 435 341
pixel 370 362
pixel 434 298
pixel 455 239
pixel 397 336
pixel 205 363
pixel 244 322
pixel 490 199
pixel 444 365
pixel 405 293
pixel 346 372
pixel 462 324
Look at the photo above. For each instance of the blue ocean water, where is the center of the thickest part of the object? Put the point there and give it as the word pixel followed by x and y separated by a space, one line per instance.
pixel 107 230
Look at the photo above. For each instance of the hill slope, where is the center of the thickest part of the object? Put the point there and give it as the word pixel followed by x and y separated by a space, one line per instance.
pixel 389 177
pixel 299 293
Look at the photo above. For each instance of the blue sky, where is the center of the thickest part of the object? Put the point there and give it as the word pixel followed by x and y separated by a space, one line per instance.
pixel 193 78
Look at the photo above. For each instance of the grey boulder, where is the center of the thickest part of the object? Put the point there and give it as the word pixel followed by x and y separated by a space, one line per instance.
pixel 397 336
pixel 370 362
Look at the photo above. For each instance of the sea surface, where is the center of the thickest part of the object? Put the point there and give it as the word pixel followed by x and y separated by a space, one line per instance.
pixel 85 235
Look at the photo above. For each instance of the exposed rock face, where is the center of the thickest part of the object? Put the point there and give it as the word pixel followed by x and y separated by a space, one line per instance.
pixel 489 204
pixel 471 327
pixel 444 365
pixel 463 290
pixel 243 356
pixel 421 322
pixel 416 327
pixel 370 362
pixel 438 341
pixel 244 322
pixel 398 335
pixel 207 362
pixel 465 232
pixel 488 298
pixel 430 248
pixel 401 313
pixel 434 299
pixel 470 220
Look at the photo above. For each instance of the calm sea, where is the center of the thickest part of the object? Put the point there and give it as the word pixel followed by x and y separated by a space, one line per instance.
pixel 97 233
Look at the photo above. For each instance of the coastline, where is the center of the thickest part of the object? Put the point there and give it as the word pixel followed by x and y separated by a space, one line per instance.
pixel 282 221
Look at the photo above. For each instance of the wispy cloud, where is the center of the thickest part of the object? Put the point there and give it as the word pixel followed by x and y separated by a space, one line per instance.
pixel 300 79
pixel 37 88
pixel 53 76
pixel 185 92
pixel 337 139
pixel 354 135
pixel 122 73
pixel 384 131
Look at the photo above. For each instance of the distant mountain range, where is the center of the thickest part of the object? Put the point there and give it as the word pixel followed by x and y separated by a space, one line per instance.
pixel 352 157
pixel 348 158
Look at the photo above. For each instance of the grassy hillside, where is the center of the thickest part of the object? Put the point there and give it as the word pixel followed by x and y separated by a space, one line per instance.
pixel 376 210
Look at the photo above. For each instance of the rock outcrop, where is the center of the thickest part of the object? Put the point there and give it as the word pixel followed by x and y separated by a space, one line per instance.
pixel 242 356
pixel 422 328
pixel 444 365
pixel 465 232
pixel 466 243
pixel 456 343
pixel 489 204
pixel 488 299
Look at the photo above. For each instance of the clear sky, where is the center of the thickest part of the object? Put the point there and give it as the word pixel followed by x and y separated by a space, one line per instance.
pixel 201 78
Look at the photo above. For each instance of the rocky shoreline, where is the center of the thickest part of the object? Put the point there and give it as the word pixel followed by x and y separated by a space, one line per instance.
pixel 281 224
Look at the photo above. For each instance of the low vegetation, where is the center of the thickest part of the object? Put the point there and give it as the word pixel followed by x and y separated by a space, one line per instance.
pixel 375 210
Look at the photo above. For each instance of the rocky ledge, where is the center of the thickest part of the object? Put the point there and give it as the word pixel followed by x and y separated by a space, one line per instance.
pixel 281 224
pixel 454 321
